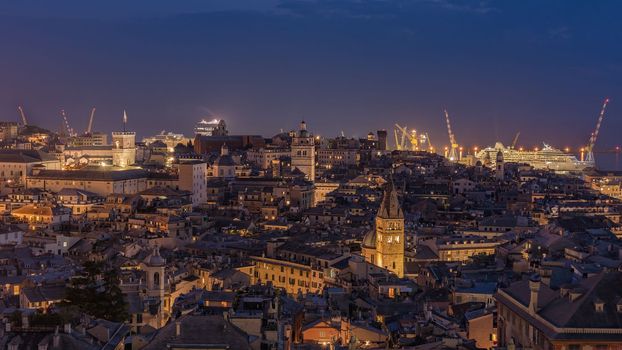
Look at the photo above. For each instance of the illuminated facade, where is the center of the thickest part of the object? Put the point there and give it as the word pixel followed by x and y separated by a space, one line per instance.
pixel 123 148
pixel 211 128
pixel 290 276
pixel 303 152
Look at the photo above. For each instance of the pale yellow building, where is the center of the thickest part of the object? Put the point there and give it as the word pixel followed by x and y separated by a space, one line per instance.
pixel 290 276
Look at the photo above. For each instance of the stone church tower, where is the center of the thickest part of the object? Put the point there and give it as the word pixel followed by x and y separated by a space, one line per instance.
pixel 384 247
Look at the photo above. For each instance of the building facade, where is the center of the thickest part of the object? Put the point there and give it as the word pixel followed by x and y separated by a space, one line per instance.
pixel 123 148
pixel 303 152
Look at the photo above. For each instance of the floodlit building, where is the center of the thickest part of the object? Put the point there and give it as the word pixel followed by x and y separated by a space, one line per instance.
pixel 193 178
pixel 303 152
pixel 213 127
pixel 384 246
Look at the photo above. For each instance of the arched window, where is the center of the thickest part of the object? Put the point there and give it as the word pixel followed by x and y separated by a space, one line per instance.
pixel 156 279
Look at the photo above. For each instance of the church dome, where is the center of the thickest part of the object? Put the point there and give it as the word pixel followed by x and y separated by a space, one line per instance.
pixel 155 259
pixel 369 241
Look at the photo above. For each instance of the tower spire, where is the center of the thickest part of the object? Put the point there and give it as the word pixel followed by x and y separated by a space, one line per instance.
pixel 390 207
pixel 124 119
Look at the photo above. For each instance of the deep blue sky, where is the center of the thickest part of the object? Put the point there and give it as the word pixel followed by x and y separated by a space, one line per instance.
pixel 539 67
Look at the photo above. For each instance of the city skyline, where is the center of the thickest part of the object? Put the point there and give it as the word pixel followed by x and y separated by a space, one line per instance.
pixel 310 174
pixel 497 67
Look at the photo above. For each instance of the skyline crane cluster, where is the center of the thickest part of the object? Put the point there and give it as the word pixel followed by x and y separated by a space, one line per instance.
pixel 402 135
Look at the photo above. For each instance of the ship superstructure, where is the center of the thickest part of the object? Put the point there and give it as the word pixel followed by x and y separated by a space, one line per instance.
pixel 548 157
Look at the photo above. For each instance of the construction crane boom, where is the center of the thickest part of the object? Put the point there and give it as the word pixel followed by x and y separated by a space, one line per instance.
pixel 22 115
pixel 452 139
pixel 411 136
pixel 594 136
pixel 90 127
pixel 397 142
pixel 515 140
pixel 66 121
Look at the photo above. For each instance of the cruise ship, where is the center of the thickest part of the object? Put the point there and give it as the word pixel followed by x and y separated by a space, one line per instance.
pixel 546 158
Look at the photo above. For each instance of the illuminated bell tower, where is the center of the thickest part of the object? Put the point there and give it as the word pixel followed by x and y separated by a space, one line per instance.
pixel 390 233
pixel 303 152
pixel 123 146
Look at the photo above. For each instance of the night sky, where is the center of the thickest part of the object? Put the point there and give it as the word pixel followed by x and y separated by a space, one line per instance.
pixel 539 67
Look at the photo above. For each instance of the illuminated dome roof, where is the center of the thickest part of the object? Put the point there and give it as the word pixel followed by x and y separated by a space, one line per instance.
pixel 369 241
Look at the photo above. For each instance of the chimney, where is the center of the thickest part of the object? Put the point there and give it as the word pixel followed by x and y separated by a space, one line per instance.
pixel 534 288
pixel 177 328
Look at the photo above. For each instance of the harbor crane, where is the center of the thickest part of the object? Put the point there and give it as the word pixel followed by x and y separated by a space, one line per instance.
pixel 515 140
pixel 399 142
pixel 411 136
pixel 590 147
pixel 66 123
pixel 418 141
pixel 453 151
pixel 89 129
pixel 22 115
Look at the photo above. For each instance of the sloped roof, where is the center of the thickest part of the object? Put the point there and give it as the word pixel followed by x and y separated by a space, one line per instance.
pixel 390 207
pixel 98 174
pixel 24 156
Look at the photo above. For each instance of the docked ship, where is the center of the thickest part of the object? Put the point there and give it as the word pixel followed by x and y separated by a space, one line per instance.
pixel 546 158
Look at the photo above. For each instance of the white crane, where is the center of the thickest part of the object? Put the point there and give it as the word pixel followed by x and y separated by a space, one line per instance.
pixel 453 155
pixel 515 140
pixel 22 115
pixel 590 147
pixel 89 129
